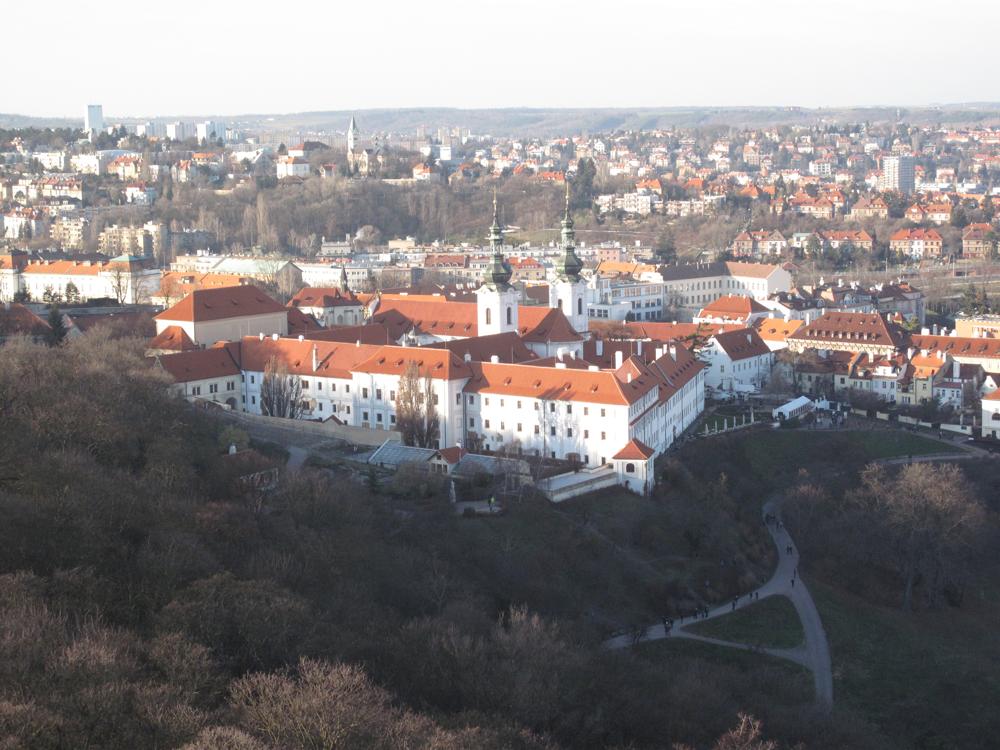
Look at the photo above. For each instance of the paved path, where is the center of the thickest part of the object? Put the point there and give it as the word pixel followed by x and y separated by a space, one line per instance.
pixel 814 654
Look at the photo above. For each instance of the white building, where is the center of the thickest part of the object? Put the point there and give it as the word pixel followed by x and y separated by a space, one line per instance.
pixel 693 285
pixel 291 166
pixel 991 415
pixel 738 361
pixel 225 314
pixel 898 174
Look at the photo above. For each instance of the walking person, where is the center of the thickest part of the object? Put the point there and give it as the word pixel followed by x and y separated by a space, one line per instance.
pixel 793 582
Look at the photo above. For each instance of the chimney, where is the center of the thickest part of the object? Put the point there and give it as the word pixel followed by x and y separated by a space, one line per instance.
pixel 261 335
pixel 302 337
pixel 599 346
pixel 315 357
pixel 672 349
pixel 274 337
pixel 639 347
pixel 593 368
pixel 956 370
pixel 560 353
pixel 628 378
pixel 467 357
pixel 658 352
pixel 495 359
pixel 560 365
pixel 232 449
pixel 618 359
pixel 909 353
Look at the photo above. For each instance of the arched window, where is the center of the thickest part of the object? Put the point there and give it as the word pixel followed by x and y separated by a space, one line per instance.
pixel 579 305
pixel 630 468
pixel 510 315
pixel 489 317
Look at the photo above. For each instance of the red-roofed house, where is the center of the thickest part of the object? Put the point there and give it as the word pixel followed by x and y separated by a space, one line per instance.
pixel 225 314
pixel 738 361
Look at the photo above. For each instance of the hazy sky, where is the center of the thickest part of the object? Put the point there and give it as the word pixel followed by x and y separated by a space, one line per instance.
pixel 188 58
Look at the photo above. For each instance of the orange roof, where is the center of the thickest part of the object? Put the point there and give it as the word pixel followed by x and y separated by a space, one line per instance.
pixel 218 304
pixel 334 359
pixel 552 384
pixel 755 270
pixel 507 346
pixel 301 323
pixel 174 339
pixel 776 329
pixel 201 364
pixel 324 297
pixel 732 305
pixel 868 328
pixel 634 450
pixel 65 267
pixel 434 363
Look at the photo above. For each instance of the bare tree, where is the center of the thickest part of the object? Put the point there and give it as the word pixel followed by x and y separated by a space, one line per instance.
pixel 925 523
pixel 280 393
pixel 416 410
pixel 123 281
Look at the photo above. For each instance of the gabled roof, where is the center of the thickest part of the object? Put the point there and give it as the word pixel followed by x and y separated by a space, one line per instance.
pixel 634 450
pixel 507 346
pixel 732 305
pixel 301 323
pixel 16 319
pixel 439 364
pixel 324 297
pixel 742 344
pixel 862 328
pixel 552 384
pixel 776 329
pixel 173 339
pixel 219 304
pixel 201 364
pixel 333 359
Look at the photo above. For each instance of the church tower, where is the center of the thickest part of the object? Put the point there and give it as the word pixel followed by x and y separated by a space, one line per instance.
pixel 568 291
pixel 497 300
pixel 352 135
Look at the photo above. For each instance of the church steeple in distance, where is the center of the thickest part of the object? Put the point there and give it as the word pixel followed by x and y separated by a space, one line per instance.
pixel 500 271
pixel 569 265
pixel 352 134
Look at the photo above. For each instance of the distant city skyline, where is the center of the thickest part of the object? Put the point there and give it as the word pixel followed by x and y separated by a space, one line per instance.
pixel 638 53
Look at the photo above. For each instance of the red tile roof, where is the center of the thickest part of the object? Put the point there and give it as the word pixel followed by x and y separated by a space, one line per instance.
pixel 634 450
pixel 218 304
pixel 174 339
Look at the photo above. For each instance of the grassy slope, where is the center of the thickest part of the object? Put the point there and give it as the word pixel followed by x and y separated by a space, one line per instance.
pixel 928 679
pixel 772 622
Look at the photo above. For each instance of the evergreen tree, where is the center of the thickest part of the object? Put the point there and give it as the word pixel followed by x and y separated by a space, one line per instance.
pixel 57 328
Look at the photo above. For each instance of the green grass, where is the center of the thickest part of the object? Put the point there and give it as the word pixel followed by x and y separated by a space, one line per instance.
pixel 771 622
pixel 926 679
pixel 781 452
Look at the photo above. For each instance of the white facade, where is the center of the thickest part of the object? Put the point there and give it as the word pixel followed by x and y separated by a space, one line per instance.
pixel 235 328
pixel 496 309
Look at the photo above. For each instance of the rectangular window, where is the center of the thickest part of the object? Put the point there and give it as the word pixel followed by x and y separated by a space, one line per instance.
pixel 486 424
pixel 503 426
pixel 552 431
pixel 537 430
pixel 519 427
pixel 569 432
pixel 501 403
pixel 230 386
pixel 253 399
pixel 569 408
pixel 518 404
pixel 364 415
pixel 378 394
pixel 319 407
pixel 458 399
pixel 586 434
pixel 253 378
pixel 392 419
pixel 472 400
pixel 586 411
pixel 305 385
pixel 319 385
pixel 472 423
pixel 364 393
pixel 392 395
pixel 604 436
pixel 435 399
pixel 378 417
pixel 486 401
pixel 552 408
pixel 347 388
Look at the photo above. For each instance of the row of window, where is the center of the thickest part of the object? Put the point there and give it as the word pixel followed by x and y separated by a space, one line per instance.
pixel 537 429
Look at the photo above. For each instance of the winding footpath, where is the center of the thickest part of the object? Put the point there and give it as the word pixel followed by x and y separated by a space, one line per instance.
pixel 813 654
